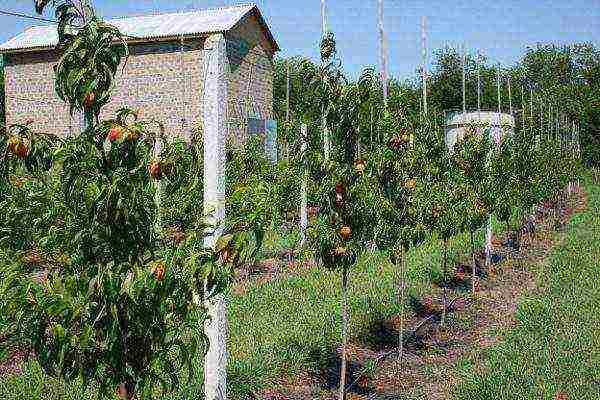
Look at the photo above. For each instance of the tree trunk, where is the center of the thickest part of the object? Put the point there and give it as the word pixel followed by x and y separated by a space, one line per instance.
pixel 158 223
pixel 445 288
pixel 343 368
pixel 488 243
pixel 326 139
pixel 215 132
pixel 474 268
pixel 401 282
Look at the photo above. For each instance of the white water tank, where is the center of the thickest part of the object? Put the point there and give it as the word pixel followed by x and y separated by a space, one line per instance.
pixel 457 122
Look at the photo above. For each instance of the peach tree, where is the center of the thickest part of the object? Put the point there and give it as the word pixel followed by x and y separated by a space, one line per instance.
pixel 342 189
pixel 116 300
pixel 470 166
pixel 397 174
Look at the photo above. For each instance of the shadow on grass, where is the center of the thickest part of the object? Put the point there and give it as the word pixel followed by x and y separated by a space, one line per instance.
pixel 324 366
pixel 329 369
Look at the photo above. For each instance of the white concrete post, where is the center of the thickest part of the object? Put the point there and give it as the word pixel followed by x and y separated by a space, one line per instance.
pixel 215 132
pixel 304 187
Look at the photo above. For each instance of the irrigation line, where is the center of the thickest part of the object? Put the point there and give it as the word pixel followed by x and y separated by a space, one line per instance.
pixel 385 355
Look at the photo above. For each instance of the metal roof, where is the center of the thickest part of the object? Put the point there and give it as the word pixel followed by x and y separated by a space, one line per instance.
pixel 150 27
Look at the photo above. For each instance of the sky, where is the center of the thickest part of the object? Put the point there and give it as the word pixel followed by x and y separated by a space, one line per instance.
pixel 500 29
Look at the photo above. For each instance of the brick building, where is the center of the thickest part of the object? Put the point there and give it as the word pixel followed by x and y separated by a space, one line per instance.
pixel 164 76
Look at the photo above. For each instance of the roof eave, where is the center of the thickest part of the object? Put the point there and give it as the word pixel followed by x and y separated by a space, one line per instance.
pixel 169 38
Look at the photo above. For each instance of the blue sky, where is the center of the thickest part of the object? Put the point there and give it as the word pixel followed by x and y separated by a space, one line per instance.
pixel 501 29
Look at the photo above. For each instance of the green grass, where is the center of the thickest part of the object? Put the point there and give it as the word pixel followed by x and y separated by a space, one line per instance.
pixel 556 345
pixel 294 324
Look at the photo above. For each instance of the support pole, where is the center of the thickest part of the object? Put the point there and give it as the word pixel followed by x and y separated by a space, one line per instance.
pixel 287 108
pixel 510 105
pixel 464 81
pixel 478 88
pixel 324 128
pixel 523 108
pixel 424 66
pixel 215 133
pixel 383 55
pixel 304 187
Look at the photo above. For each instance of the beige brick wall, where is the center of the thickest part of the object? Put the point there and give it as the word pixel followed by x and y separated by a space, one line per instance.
pixel 159 81
pixel 162 82
pixel 29 90
pixel 251 83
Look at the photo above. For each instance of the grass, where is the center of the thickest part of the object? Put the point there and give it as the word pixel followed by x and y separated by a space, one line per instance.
pixel 556 345
pixel 293 324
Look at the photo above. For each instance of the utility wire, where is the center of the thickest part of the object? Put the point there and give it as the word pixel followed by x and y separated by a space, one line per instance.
pixel 27 16
pixel 14 14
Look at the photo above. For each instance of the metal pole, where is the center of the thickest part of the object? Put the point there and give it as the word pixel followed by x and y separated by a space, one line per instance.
pixel 324 128
pixel 287 108
pixel 523 107
pixel 382 47
pixel 424 54
pixel 531 107
pixel 510 107
pixel 464 81
pixel 479 83
pixel 304 187
pixel 498 86
pixel 323 18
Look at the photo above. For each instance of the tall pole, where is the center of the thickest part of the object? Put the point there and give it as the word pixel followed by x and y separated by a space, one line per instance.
pixel 323 17
pixel 383 55
pixel 287 107
pixel 523 108
pixel 304 187
pixel 541 114
pixel 88 10
pixel 324 128
pixel 531 108
pixel 424 66
pixel 510 107
pixel 215 133
pixel 464 81
pixel 478 58
pixel 498 87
